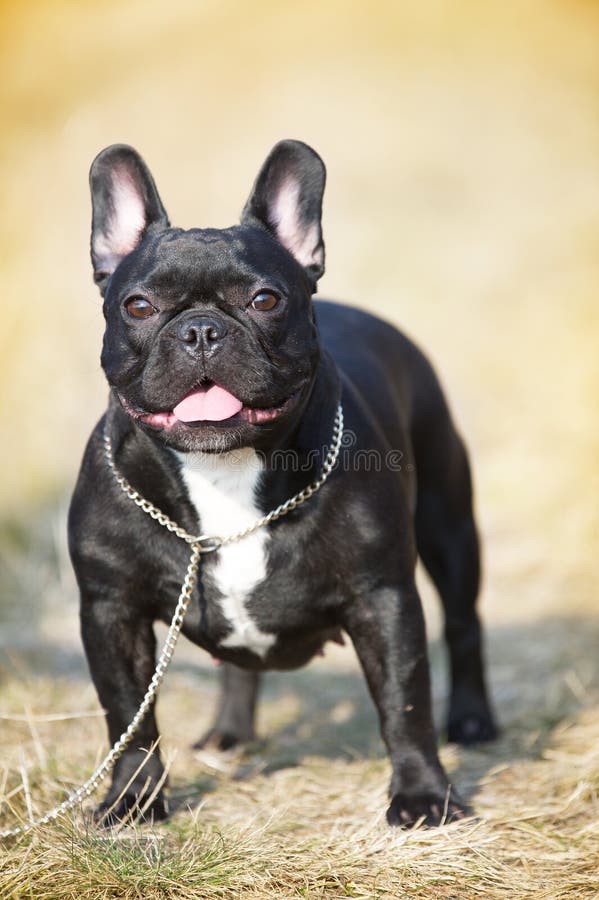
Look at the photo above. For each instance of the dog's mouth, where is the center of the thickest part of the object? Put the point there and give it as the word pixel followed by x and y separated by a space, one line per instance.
pixel 208 405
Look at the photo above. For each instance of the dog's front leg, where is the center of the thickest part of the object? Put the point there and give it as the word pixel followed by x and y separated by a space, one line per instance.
pixel 387 630
pixel 120 650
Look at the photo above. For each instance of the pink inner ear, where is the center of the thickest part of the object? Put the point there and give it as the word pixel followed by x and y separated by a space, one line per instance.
pixel 129 219
pixel 301 241
pixel 125 225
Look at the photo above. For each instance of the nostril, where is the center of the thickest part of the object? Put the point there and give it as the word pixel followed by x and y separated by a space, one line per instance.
pixel 190 335
pixel 212 333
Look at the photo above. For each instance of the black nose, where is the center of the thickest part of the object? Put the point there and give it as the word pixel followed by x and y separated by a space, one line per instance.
pixel 202 333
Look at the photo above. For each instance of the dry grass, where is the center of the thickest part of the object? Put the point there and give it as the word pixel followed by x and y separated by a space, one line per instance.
pixel 316 831
pixel 463 204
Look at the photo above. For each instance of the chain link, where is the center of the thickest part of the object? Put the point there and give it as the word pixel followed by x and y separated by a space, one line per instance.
pixel 200 544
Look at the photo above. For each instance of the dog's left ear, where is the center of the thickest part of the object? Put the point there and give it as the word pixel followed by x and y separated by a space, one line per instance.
pixel 126 204
pixel 287 200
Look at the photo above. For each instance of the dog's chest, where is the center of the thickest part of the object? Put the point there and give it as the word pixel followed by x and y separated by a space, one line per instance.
pixel 222 488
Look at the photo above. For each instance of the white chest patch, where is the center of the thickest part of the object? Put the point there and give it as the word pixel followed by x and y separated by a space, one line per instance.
pixel 222 489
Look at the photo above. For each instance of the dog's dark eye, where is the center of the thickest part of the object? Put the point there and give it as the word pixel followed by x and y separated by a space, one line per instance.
pixel 264 301
pixel 139 308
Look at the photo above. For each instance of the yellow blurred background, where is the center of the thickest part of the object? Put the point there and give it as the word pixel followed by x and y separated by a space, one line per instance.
pixel 461 140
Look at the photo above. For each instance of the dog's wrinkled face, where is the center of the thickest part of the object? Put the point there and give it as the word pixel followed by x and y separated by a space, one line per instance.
pixel 210 342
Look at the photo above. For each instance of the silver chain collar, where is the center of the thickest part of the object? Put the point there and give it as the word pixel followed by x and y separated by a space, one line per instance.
pixel 199 544
pixel 206 543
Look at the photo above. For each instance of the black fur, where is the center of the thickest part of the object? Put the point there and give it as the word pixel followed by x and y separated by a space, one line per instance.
pixel 346 558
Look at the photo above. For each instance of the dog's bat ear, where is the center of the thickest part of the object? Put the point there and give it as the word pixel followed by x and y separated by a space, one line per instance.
pixel 125 206
pixel 287 200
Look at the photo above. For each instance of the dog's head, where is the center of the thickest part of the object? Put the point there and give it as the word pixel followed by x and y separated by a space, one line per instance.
pixel 210 342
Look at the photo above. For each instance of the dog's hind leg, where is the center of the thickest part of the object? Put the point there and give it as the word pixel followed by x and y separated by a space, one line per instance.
pixel 236 709
pixel 448 546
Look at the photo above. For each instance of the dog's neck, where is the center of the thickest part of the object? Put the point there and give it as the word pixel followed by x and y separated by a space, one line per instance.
pixel 222 488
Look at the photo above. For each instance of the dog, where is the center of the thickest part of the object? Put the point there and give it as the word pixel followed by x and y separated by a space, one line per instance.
pixel 221 365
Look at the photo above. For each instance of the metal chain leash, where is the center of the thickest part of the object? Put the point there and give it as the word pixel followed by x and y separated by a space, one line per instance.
pixel 199 544
pixel 106 766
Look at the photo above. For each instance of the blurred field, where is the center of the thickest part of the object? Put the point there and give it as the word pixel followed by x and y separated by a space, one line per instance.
pixel 463 204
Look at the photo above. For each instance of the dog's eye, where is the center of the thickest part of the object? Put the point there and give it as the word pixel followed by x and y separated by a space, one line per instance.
pixel 139 308
pixel 264 301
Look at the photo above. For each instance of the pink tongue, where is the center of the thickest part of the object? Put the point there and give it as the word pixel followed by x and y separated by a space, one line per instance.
pixel 211 405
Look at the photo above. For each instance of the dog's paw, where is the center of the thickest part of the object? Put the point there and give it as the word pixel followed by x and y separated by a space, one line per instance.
pixel 433 809
pixel 131 808
pixel 471 728
pixel 215 739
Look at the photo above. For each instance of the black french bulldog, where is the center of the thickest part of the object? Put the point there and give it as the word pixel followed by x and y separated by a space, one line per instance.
pixel 225 379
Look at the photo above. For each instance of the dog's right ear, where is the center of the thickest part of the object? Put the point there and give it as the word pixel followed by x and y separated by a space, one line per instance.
pixel 125 206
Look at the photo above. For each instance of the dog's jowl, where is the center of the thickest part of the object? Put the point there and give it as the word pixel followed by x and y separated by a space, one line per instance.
pixel 225 380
